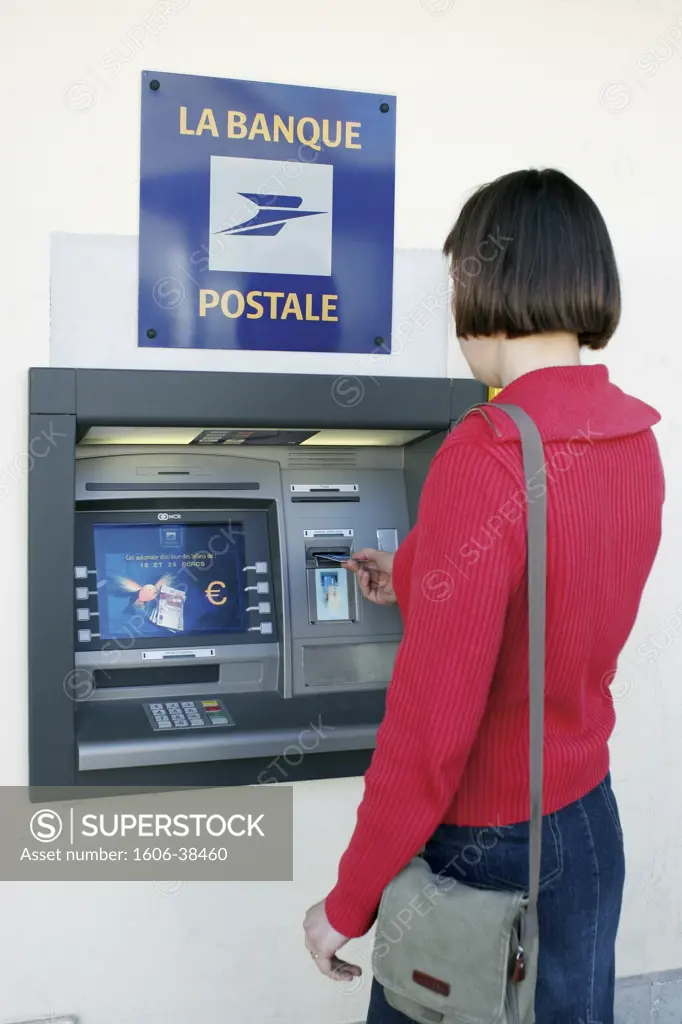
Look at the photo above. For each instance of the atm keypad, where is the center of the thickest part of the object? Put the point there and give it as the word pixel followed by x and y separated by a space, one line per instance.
pixel 187 714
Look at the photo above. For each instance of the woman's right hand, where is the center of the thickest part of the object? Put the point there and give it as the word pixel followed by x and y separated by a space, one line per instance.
pixel 374 571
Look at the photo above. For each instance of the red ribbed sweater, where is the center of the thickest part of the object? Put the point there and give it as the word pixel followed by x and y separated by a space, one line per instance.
pixel 453 746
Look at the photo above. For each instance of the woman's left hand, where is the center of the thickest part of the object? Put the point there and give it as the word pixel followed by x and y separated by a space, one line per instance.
pixel 322 942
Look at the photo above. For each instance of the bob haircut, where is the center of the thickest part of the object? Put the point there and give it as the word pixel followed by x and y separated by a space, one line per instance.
pixel 530 254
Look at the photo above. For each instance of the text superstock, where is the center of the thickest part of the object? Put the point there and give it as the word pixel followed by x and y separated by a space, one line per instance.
pixel 266 216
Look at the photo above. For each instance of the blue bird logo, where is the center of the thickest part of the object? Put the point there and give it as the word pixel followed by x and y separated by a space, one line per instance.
pixel 272 214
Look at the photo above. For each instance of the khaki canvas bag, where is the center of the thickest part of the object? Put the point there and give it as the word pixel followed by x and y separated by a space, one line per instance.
pixel 469 956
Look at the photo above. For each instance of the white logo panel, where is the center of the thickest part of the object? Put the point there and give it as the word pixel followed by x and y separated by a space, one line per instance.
pixel 270 216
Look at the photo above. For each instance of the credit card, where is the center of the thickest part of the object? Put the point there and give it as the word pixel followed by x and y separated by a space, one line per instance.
pixel 338 558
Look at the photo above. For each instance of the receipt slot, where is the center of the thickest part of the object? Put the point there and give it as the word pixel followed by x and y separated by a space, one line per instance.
pixel 330 588
pixel 190 616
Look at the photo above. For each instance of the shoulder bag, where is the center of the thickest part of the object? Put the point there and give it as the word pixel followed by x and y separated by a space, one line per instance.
pixel 470 955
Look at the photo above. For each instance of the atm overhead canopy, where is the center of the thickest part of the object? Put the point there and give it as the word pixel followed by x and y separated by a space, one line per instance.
pixel 201 401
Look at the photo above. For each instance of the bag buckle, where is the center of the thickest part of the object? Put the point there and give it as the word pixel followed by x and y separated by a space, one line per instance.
pixel 518 966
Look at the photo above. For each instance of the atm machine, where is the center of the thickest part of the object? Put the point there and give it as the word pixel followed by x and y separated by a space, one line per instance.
pixel 191 622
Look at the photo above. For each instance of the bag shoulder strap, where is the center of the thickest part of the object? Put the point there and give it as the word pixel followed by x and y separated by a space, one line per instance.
pixel 536 519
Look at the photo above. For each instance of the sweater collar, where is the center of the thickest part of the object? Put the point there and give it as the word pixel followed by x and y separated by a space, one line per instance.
pixel 565 400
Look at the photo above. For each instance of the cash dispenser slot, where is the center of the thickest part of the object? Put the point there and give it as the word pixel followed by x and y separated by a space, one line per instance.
pixel 324 492
pixel 324 496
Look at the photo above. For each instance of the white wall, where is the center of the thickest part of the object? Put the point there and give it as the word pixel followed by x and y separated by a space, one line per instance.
pixel 483 88
pixel 85 270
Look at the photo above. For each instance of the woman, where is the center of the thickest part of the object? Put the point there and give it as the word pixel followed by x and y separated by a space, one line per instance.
pixel 534 280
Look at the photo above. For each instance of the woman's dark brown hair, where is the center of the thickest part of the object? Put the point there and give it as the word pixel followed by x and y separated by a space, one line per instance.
pixel 530 254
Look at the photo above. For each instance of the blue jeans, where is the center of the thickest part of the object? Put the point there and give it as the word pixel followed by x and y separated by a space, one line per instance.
pixel 583 870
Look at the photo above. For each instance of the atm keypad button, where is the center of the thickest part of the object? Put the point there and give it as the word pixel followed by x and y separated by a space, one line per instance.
pixel 188 714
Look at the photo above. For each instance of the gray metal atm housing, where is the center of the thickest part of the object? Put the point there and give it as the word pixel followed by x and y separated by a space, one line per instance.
pixel 313 658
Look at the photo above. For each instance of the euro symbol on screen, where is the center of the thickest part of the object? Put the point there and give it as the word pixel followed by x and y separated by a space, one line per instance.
pixel 213 592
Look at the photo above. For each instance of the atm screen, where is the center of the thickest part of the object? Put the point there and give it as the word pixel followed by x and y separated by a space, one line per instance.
pixel 164 581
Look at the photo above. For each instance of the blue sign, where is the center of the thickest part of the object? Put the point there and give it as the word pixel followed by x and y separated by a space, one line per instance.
pixel 266 216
